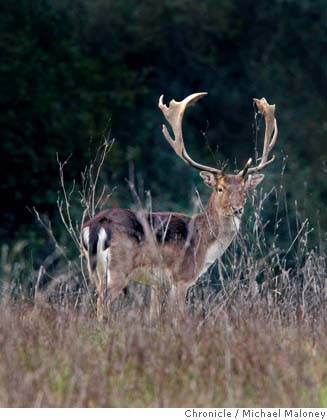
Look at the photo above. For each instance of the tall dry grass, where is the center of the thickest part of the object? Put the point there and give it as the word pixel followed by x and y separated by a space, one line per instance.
pixel 243 354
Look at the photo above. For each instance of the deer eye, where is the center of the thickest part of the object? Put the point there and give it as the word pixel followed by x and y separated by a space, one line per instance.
pixel 220 189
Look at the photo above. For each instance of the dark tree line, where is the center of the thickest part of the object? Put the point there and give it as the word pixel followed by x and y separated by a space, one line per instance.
pixel 70 71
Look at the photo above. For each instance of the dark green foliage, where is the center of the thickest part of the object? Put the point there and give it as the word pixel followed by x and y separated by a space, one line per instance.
pixel 70 70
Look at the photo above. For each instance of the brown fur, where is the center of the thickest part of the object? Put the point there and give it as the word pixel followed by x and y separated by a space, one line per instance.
pixel 177 245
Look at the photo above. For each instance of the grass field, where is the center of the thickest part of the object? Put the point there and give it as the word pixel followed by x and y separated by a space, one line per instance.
pixel 250 351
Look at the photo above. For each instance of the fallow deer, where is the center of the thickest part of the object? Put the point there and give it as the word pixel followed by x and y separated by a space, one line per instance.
pixel 117 242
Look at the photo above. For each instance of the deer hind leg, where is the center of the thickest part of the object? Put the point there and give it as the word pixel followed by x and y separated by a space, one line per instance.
pixel 118 281
pixel 112 277
pixel 108 266
pixel 102 279
pixel 98 281
pixel 94 275
pixel 110 281
pixel 98 251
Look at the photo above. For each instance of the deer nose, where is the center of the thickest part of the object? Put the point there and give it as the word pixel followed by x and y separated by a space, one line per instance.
pixel 237 211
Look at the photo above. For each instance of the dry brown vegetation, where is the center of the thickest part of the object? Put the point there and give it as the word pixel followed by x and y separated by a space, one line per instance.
pixel 251 349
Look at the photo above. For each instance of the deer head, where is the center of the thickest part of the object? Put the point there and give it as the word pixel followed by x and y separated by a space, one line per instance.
pixel 229 190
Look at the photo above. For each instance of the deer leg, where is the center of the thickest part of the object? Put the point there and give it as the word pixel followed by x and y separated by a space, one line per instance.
pixel 108 292
pixel 154 310
pixel 109 283
pixel 117 281
pixel 158 301
pixel 159 298
pixel 178 296
pixel 101 275
pixel 101 288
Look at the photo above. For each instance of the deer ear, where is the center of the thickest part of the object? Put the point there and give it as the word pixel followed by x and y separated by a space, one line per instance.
pixel 208 178
pixel 253 181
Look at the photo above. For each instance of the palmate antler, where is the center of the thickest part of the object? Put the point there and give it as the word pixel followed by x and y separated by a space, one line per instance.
pixel 271 132
pixel 174 115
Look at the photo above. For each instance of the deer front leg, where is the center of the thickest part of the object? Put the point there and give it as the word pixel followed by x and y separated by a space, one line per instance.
pixel 178 296
pixel 159 298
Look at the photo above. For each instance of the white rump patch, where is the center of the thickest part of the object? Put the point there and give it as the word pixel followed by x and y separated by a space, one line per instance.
pixel 102 237
pixel 86 237
pixel 103 256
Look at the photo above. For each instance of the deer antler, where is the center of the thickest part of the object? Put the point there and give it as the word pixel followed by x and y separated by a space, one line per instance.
pixel 271 132
pixel 174 115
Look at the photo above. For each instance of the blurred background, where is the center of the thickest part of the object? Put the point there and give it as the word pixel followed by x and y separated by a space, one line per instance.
pixel 72 72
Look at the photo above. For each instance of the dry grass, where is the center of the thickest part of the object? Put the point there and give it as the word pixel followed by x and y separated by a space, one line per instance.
pixel 243 354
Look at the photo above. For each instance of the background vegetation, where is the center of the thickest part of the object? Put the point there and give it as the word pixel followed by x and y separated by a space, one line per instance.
pixel 71 71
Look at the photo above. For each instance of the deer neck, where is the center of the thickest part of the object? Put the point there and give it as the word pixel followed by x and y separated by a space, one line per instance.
pixel 215 233
pixel 217 226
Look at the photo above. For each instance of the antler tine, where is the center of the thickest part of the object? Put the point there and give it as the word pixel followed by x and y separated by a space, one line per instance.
pixel 174 115
pixel 270 138
pixel 244 171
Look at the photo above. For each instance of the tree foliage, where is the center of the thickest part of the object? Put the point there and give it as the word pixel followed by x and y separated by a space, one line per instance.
pixel 71 70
